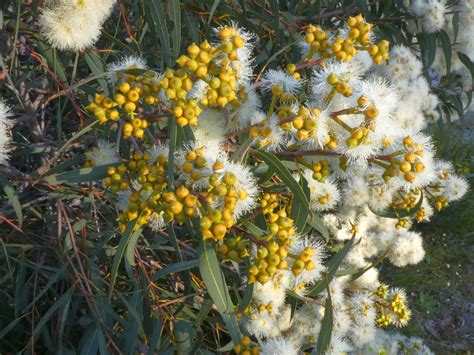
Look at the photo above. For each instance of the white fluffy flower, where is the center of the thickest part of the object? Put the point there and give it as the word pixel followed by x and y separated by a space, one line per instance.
pixel 338 346
pixel 211 128
pixel 158 150
pixel 276 139
pixel 407 249
pixel 278 346
pixel 210 152
pixel 242 116
pixel 74 24
pixel 281 79
pixel 455 188
pixel 105 153
pixel 320 88
pixel 403 65
pixel 243 65
pixel 315 250
pixel 246 186
pixel 263 325
pixel 5 125
pixel 115 70
pixel 323 195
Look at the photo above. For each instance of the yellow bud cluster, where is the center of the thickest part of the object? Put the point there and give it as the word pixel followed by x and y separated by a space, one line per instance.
pixel 285 112
pixel 116 180
pixel 176 85
pixel 210 64
pixel 303 262
pixel 306 123
pixel 331 142
pixel 382 291
pixel 339 85
pixel 358 136
pixel 269 259
pixel 234 249
pixel 318 41
pixel 383 320
pixel 410 164
pixel 245 347
pixel 345 48
pixel 261 132
pixel 265 307
pixel 178 205
pixel 272 256
pixel 401 223
pixel 291 69
pixel 151 196
pixel 420 215
pixel 215 222
pixel 440 203
pixel 132 93
pixel 406 202
pixel 391 309
pixel 320 170
pixel 269 202
pixel 195 161
pixel 379 52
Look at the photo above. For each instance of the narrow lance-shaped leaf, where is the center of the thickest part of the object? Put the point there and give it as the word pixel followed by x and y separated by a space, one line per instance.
pixel 324 337
pixel 275 164
pixel 213 277
pixel 332 267
pixel 120 252
pixel 12 198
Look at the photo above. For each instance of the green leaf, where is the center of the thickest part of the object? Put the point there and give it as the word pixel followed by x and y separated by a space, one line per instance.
pixel 372 265
pixel 155 336
pixel 80 175
pixel 213 10
pixel 213 277
pixel 97 66
pixel 120 252
pixel 83 131
pixel 241 151
pixel 427 42
pixel 51 57
pixel 172 130
pixel 275 164
pixel 332 267
pixel 159 28
pixel 93 341
pixel 12 198
pixel 316 222
pixel 251 228
pixel 247 297
pixel 467 62
pixel 447 49
pixel 130 250
pixel 61 303
pixel 174 12
pixel 183 333
pixel 324 337
pixel 300 212
pixel 206 307
pixel 400 213
pixel 362 6
pixel 177 267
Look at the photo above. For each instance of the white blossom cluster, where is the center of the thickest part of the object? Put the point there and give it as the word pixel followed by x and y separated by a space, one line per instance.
pixel 354 197
pixel 430 12
pixel 74 24
pixel 433 16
